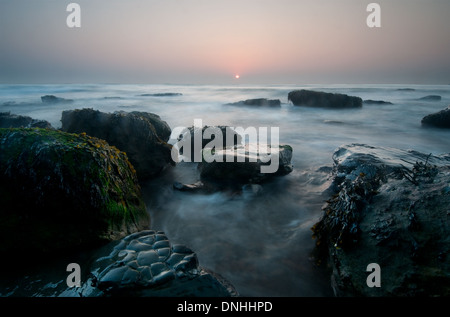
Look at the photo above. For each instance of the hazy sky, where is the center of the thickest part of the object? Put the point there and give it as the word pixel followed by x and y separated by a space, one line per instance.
pixel 210 41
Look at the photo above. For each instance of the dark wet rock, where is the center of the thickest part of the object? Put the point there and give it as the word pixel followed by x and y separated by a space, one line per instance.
pixel 260 102
pixel 8 120
pixel 62 191
pixel 431 98
pixel 147 264
pixel 244 164
pixel 195 187
pixel 227 134
pixel 323 99
pixel 439 119
pixel 164 94
pixel 377 102
pixel 390 207
pixel 141 135
pixel 54 99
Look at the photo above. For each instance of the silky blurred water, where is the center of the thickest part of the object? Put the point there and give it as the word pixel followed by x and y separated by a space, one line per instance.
pixel 260 243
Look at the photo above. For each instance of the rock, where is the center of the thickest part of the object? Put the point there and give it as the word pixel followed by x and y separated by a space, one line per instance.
pixel 244 165
pixel 439 119
pixel 377 102
pixel 224 132
pixel 387 206
pixel 165 94
pixel 198 186
pixel 323 99
pixel 260 102
pixel 61 191
pixel 431 98
pixel 169 270
pixel 8 120
pixel 54 99
pixel 141 135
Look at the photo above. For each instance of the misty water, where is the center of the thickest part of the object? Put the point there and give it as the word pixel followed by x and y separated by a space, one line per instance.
pixel 261 243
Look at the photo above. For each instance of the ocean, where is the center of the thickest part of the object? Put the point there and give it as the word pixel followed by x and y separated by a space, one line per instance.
pixel 261 243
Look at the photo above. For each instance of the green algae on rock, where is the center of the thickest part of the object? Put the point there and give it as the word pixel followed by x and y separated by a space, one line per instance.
pixel 60 191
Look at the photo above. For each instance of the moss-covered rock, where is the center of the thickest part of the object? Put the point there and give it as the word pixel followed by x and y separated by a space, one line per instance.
pixel 60 190
pixel 143 136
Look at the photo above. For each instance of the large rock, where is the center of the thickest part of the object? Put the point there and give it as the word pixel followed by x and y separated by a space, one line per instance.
pixel 147 264
pixel 189 136
pixel 260 102
pixel 439 119
pixel 244 164
pixel 143 136
pixel 8 120
pixel 323 99
pixel 61 191
pixel 390 207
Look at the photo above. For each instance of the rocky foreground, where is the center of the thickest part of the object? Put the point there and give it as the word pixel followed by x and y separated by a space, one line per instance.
pixel 390 207
pixel 61 191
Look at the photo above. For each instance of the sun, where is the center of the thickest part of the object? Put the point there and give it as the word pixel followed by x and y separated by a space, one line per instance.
pixel 237 76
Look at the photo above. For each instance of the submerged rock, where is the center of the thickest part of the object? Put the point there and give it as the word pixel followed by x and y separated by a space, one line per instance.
pixel 439 119
pixel 8 120
pixel 143 136
pixel 148 264
pixel 164 94
pixel 61 191
pixel 390 207
pixel 431 98
pixel 260 102
pixel 377 102
pixel 323 99
pixel 244 164
pixel 54 99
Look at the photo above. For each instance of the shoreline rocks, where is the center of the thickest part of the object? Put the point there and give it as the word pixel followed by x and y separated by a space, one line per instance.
pixel 143 136
pixel 63 191
pixel 321 99
pixel 390 207
pixel 8 120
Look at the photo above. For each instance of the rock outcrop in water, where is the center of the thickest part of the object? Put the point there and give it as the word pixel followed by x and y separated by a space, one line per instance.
pixel 259 102
pixel 147 264
pixel 389 207
pixel 224 134
pixel 61 191
pixel 143 136
pixel 54 99
pixel 431 98
pixel 163 94
pixel 439 119
pixel 321 99
pixel 245 164
pixel 376 102
pixel 8 120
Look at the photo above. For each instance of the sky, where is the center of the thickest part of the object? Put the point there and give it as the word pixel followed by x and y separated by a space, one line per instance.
pixel 211 41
